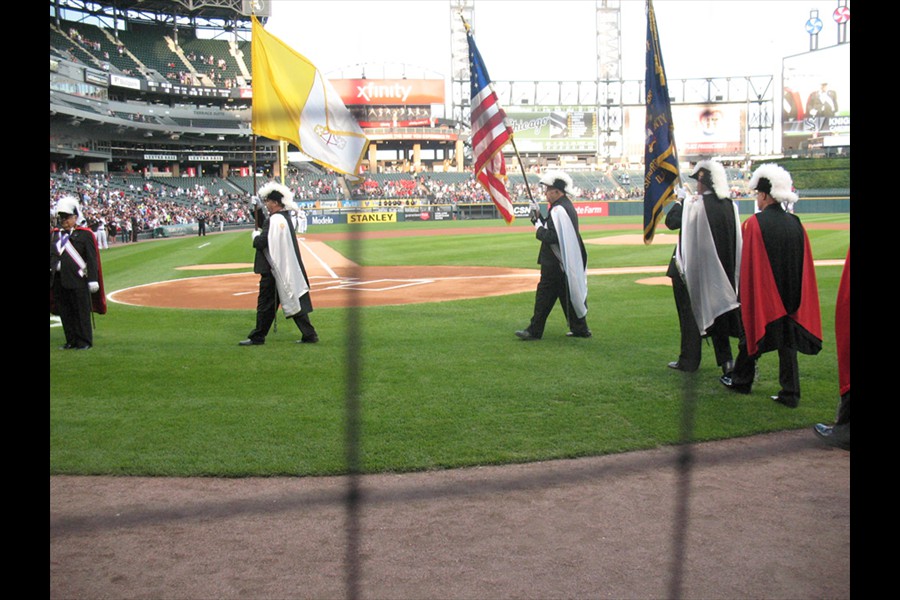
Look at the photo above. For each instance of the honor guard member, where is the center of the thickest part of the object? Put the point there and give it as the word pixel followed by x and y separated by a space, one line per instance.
pixel 705 268
pixel 76 279
pixel 563 261
pixel 282 276
pixel 778 292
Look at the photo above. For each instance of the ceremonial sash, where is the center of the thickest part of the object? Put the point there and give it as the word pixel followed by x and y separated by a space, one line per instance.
pixel 62 245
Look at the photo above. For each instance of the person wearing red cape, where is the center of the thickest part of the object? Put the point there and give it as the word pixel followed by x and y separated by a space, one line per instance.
pixel 778 292
pixel 76 277
pixel 838 435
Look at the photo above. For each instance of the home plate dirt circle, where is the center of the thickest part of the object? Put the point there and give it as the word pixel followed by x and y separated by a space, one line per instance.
pixel 334 282
pixel 337 282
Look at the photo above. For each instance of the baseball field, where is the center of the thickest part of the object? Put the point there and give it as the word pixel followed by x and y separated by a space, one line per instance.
pixel 185 466
pixel 440 379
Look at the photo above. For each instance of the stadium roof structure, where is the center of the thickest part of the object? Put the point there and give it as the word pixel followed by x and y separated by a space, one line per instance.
pixel 225 15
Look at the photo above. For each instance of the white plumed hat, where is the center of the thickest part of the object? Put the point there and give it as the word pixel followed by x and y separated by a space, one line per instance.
pixel 558 180
pixel 279 192
pixel 775 181
pixel 717 178
pixel 68 205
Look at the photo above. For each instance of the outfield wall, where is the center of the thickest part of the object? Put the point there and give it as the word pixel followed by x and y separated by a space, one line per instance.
pixel 443 212
pixel 419 210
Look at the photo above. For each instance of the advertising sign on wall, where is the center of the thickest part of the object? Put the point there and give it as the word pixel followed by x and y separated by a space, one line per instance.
pixel 553 129
pixel 591 209
pixel 391 92
pixel 378 217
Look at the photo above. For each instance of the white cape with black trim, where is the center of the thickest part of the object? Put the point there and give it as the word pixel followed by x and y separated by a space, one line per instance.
pixel 284 258
pixel 572 263
pixel 707 283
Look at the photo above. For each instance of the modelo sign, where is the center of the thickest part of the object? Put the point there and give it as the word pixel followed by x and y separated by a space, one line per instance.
pixel 391 92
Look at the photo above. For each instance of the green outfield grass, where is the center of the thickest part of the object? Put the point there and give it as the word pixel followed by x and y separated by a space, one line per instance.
pixel 442 385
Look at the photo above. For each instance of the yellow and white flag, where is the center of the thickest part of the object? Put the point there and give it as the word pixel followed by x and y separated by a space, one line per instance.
pixel 294 102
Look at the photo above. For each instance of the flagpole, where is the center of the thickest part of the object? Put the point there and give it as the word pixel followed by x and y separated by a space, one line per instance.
pixel 282 158
pixel 255 208
pixel 522 168
pixel 253 146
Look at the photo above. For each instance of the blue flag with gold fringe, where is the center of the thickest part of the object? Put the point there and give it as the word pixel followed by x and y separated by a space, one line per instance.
pixel 660 156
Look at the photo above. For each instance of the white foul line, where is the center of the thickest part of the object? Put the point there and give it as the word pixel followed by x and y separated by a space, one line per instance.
pixel 321 262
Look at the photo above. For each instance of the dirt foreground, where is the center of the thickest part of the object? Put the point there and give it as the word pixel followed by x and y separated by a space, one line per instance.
pixel 760 517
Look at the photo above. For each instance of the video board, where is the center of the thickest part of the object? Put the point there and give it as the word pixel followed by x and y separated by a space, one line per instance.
pixel 816 99
pixel 553 128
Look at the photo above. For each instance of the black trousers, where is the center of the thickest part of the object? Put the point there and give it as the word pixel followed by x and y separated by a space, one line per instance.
pixel 554 287
pixel 74 306
pixel 843 410
pixel 267 307
pixel 788 373
pixel 689 358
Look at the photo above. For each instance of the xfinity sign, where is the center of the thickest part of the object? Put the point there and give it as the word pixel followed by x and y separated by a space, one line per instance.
pixel 392 92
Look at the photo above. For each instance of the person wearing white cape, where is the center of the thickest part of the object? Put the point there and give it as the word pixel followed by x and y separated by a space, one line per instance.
pixel 705 268
pixel 282 276
pixel 563 261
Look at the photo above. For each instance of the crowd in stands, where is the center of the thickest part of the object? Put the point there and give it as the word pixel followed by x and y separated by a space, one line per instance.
pixel 127 208
pixel 131 205
pixel 469 191
pixel 76 35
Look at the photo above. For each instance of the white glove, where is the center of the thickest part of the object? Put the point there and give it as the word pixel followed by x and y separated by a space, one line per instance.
pixel 680 193
pixel 538 225
pixel 255 233
pixel 93 286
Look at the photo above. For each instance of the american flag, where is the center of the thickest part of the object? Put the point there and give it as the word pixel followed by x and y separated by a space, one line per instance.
pixel 489 133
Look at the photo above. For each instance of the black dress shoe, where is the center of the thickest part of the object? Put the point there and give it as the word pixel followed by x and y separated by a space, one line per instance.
pixel 740 388
pixel 249 342
pixel 66 347
pixel 526 336
pixel 308 340
pixel 789 402
pixel 581 334
pixel 837 436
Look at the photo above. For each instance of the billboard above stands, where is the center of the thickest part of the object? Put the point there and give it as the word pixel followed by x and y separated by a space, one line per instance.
pixel 553 128
pixel 709 129
pixel 816 98
pixel 389 92
pixel 700 129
